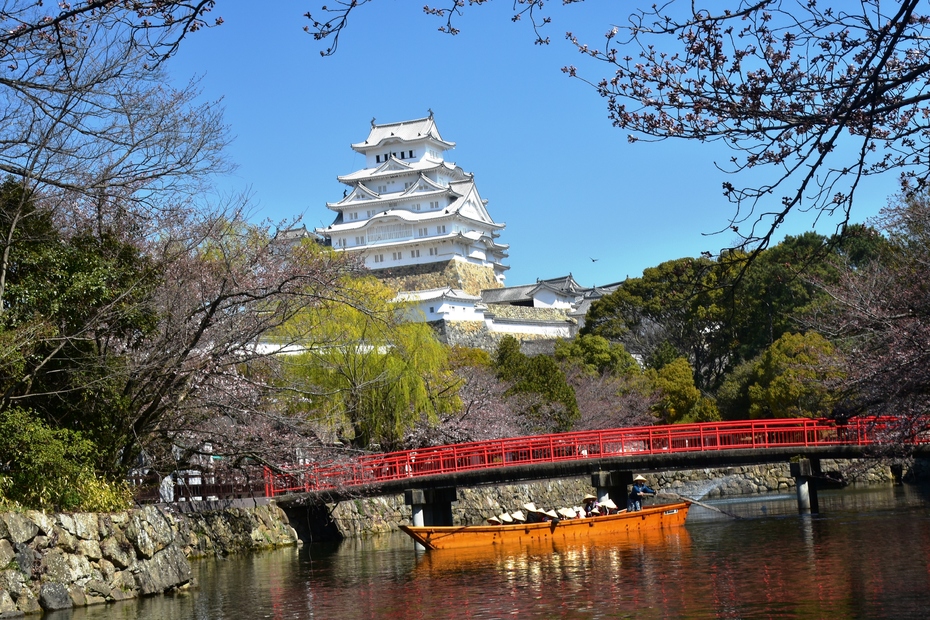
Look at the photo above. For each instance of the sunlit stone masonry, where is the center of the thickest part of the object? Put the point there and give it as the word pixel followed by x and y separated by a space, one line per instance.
pixel 410 213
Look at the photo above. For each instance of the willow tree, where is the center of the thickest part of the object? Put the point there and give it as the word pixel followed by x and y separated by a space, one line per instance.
pixel 366 371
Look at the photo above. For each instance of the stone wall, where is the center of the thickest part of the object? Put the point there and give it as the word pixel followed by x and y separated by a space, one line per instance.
pixel 455 273
pixel 475 334
pixel 367 517
pixel 58 561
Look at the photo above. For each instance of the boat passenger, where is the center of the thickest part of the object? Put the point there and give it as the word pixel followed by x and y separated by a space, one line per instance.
pixel 640 490
pixel 609 505
pixel 518 516
pixel 533 514
pixel 505 518
pixel 567 513
pixel 590 505
pixel 494 521
pixel 549 515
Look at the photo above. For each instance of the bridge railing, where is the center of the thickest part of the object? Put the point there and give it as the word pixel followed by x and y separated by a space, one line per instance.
pixel 704 437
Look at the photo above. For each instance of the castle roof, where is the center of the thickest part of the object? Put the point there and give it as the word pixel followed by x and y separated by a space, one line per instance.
pixel 395 166
pixel 404 131
pixel 448 293
pixel 564 285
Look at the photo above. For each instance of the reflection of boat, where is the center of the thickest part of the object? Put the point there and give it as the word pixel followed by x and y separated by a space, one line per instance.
pixel 454 537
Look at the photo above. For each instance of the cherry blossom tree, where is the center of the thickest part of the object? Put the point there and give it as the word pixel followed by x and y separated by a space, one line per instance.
pixel 879 316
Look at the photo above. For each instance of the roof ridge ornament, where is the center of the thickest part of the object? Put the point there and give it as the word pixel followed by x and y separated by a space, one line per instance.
pixel 430 110
pixel 372 122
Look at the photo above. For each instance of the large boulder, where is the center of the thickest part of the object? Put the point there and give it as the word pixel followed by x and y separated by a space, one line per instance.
pixel 7 605
pixel 21 528
pixel 6 553
pixel 119 551
pixel 167 569
pixel 54 596
pixel 85 526
pixel 150 530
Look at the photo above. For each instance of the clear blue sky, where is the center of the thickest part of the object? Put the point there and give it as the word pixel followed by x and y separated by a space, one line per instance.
pixel 568 185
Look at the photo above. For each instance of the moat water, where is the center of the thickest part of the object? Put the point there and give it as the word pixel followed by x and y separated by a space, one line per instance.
pixel 867 555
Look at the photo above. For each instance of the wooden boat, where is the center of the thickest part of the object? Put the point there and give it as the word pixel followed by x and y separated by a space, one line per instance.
pixel 566 530
pixel 673 541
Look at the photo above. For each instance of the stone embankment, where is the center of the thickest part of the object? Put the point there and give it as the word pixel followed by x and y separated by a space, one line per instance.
pixel 368 517
pixel 58 561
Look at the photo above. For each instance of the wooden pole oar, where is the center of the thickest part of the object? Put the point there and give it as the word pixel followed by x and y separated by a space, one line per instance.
pixel 701 504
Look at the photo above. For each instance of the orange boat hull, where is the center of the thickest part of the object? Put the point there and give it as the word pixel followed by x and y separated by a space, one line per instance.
pixel 566 530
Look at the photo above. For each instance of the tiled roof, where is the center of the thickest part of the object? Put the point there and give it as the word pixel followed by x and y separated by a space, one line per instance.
pixel 437 293
pixel 405 130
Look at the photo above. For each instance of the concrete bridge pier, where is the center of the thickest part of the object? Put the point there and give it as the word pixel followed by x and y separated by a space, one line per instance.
pixel 613 484
pixel 431 506
pixel 805 472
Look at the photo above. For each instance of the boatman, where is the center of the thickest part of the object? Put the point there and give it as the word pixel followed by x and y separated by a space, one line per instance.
pixel 640 490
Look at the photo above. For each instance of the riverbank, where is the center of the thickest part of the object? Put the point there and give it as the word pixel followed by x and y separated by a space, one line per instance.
pixel 58 561
pixel 379 515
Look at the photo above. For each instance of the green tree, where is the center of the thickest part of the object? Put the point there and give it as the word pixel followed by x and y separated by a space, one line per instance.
pixel 51 469
pixel 596 355
pixel 795 377
pixel 680 400
pixel 550 402
pixel 733 400
pixel 680 305
pixel 366 371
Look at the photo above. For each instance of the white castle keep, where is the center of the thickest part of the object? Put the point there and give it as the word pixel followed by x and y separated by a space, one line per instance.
pixel 409 207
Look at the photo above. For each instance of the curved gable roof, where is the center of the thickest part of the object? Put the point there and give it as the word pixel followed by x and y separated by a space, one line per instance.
pixel 406 131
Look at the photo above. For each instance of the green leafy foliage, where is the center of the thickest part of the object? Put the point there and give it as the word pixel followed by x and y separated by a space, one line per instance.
pixel 596 355
pixel 793 378
pixel 368 372
pixel 551 405
pixel 681 401
pixel 52 469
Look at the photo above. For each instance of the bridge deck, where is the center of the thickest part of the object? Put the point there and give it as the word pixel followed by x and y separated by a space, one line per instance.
pixel 573 454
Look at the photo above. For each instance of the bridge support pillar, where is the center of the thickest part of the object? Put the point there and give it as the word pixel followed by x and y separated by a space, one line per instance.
pixel 804 472
pixel 431 506
pixel 613 484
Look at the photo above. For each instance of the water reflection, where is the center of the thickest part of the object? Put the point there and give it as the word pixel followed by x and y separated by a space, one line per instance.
pixel 865 556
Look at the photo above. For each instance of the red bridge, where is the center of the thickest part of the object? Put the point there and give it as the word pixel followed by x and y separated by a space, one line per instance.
pixel 568 454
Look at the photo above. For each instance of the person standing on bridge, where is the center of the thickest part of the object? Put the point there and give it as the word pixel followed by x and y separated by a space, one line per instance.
pixel 640 490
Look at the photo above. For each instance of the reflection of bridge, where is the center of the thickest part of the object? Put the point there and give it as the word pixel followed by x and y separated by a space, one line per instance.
pixel 678 446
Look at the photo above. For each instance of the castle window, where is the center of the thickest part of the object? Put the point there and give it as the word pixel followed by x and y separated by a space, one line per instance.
pixel 382 189
pixel 414 253
pixel 353 216
pixel 416 207
pixel 422 232
pixel 434 251
pixel 440 229
pixel 409 154
pixel 434 204
pixel 397 255
pixel 377 159
pixel 379 258
pixel 360 241
pixel 431 309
